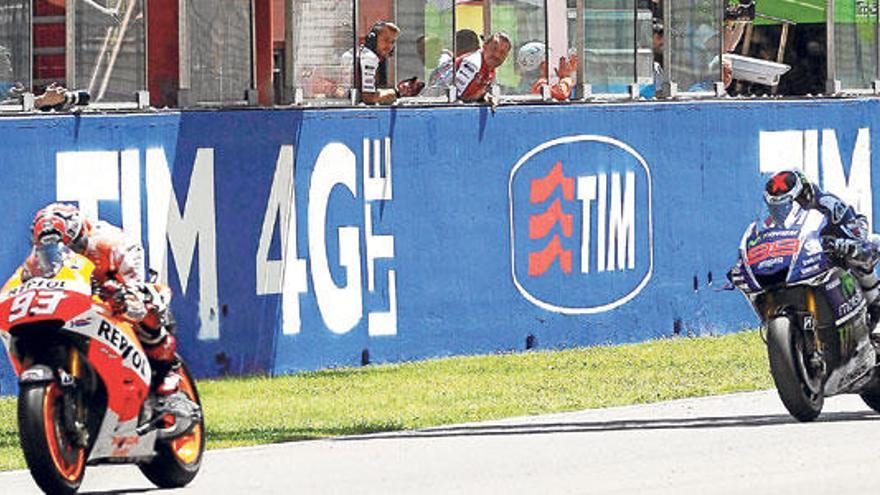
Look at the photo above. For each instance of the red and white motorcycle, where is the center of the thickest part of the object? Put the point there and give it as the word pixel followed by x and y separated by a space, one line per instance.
pixel 84 383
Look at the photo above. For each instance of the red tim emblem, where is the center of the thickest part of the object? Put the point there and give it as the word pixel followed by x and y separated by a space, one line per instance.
pixel 541 224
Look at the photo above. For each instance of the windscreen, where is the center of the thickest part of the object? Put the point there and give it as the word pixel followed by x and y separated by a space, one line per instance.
pixel 49 259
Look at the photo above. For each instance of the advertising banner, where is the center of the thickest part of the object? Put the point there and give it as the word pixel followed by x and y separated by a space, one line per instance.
pixel 304 239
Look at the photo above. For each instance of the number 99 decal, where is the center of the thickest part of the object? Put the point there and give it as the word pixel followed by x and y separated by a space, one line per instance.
pixel 784 247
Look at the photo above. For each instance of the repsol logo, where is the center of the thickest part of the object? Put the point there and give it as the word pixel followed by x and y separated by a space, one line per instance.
pixel 581 224
pixel 38 283
pixel 111 335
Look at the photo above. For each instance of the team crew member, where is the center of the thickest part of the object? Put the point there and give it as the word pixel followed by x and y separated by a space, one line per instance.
pixel 530 60
pixel 372 71
pixel 475 72
pixel 466 41
pixel 119 273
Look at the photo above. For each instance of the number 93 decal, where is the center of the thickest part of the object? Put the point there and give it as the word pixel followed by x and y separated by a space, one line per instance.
pixel 34 303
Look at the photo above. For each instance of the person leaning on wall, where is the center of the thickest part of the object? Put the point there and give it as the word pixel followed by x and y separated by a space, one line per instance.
pixel 373 67
pixel 475 72
pixel 533 69
pixel 55 97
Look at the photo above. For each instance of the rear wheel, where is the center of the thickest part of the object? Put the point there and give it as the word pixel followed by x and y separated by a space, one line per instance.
pixel 55 463
pixel 177 461
pixel 799 387
pixel 871 396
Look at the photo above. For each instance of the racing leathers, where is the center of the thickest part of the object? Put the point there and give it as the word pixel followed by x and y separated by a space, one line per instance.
pixel 848 229
pixel 119 278
pixel 846 235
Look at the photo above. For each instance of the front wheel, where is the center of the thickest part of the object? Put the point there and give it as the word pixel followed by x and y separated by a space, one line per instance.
pixel 799 387
pixel 178 460
pixel 55 463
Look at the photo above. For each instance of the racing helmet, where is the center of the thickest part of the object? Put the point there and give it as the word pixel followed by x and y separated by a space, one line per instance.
pixel 785 189
pixel 530 56
pixel 61 222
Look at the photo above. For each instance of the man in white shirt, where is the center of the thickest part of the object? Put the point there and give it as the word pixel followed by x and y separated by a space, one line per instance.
pixel 372 71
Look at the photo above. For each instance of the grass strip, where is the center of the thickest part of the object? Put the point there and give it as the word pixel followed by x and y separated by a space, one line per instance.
pixel 257 410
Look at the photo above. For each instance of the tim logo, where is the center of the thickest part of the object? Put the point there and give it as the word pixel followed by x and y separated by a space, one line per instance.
pixel 580 224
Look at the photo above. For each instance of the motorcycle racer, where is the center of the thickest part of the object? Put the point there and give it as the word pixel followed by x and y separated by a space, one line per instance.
pixel 846 234
pixel 119 279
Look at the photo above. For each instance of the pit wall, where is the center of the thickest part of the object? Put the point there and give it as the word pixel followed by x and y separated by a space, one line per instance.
pixel 305 239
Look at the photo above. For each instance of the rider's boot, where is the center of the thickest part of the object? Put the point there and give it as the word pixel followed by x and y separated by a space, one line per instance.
pixel 163 359
pixel 170 384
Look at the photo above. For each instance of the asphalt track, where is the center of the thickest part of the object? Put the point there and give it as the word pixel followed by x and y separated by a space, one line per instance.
pixel 740 443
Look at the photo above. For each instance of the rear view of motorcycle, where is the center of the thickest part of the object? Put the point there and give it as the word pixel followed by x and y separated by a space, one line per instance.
pixel 84 383
pixel 814 313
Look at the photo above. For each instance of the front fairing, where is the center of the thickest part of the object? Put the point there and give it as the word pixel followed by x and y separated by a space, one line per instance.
pixel 740 275
pixel 57 298
pixel 774 255
pixel 26 299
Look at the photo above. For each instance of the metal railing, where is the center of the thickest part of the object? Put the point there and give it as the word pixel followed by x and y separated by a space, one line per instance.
pixel 105 47
pixel 698 41
pixel 610 39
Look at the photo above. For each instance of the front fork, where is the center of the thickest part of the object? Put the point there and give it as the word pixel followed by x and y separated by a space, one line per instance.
pixel 807 323
pixel 812 344
pixel 74 409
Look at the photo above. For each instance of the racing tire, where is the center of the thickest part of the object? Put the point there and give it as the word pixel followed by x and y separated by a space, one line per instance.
pixel 801 394
pixel 55 463
pixel 177 461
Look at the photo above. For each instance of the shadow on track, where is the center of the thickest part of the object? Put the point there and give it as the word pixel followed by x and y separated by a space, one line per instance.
pixel 122 492
pixel 527 428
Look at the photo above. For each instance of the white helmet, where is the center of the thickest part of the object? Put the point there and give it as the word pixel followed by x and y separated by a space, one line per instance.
pixel 530 56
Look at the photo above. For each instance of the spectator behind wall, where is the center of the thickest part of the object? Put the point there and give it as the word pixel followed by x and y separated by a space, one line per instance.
pixel 475 73
pixel 7 73
pixel 736 18
pixel 655 6
pixel 466 41
pixel 55 97
pixel 533 69
pixel 650 90
pixel 332 78
pixel 372 72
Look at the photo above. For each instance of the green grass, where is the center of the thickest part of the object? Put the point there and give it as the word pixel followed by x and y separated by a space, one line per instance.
pixel 256 410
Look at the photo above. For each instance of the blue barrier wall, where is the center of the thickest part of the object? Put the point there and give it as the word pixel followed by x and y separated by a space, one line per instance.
pixel 299 239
